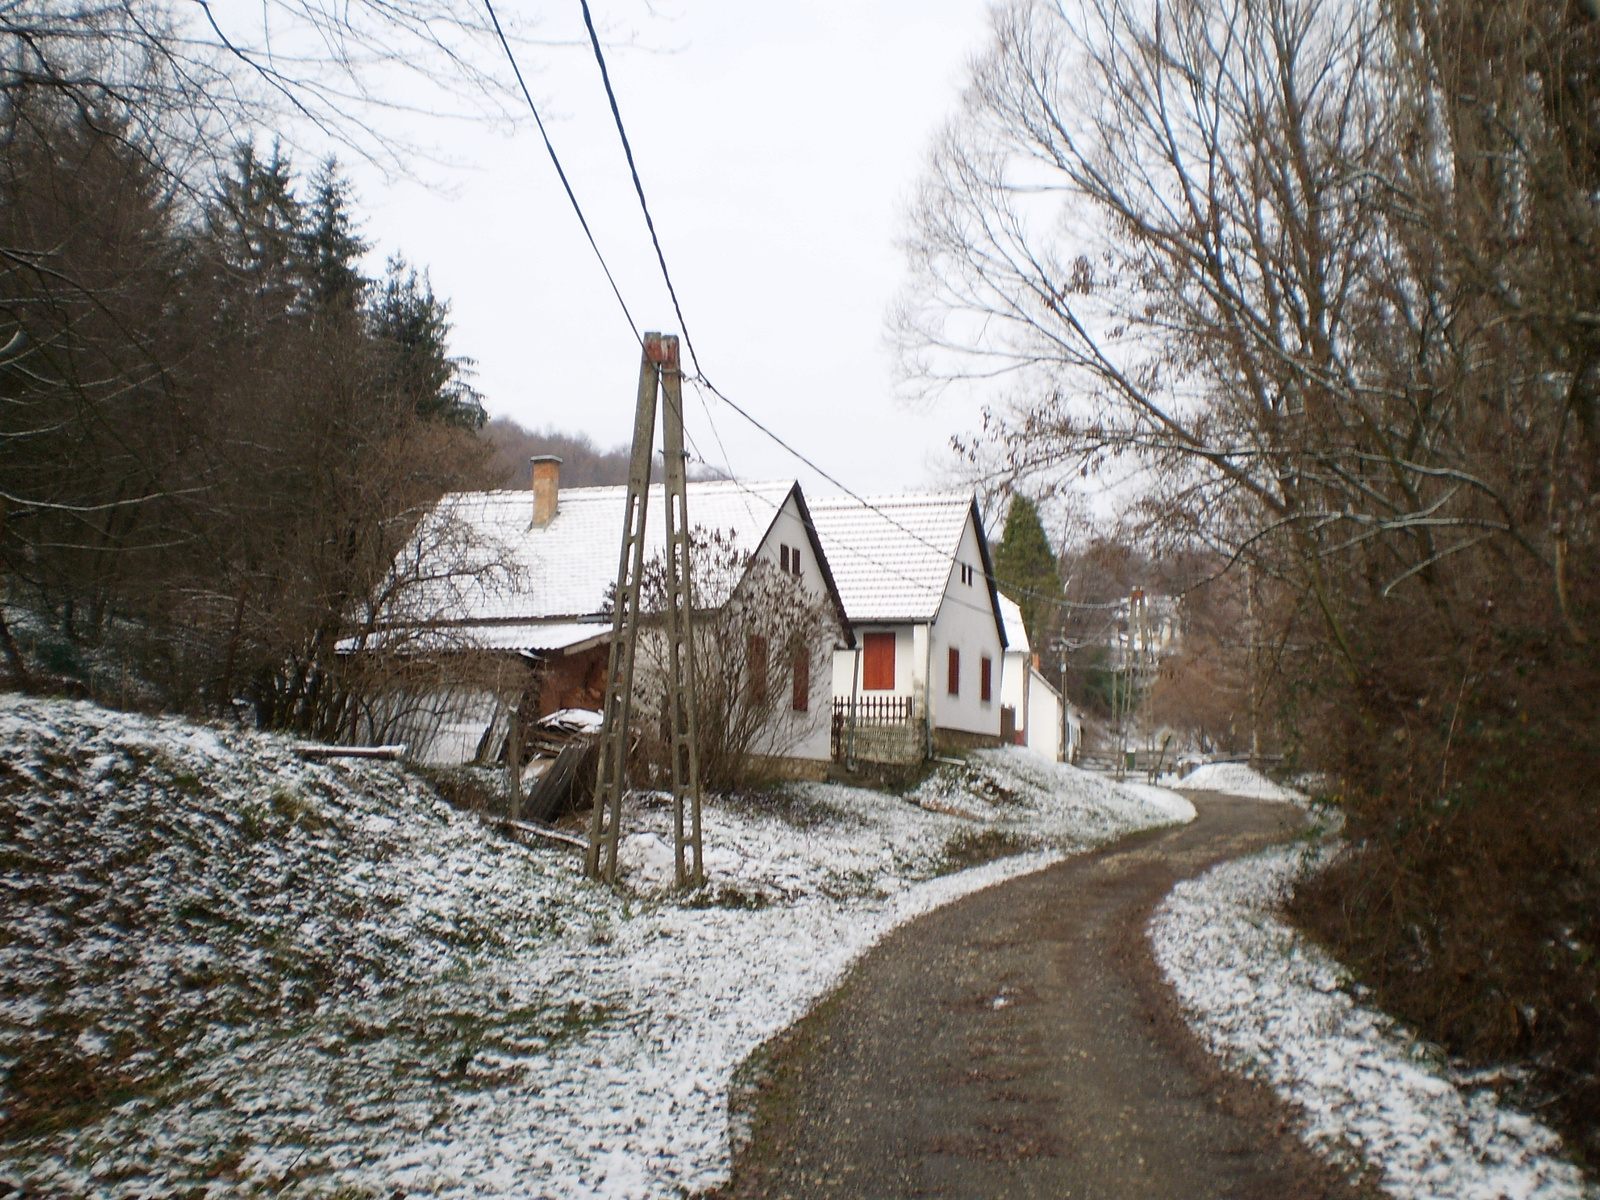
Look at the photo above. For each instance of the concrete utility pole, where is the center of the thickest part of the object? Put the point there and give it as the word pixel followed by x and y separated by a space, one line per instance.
pixel 680 629
pixel 658 370
pixel 1132 674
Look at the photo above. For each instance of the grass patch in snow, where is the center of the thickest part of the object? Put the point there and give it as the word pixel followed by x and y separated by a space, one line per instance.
pixel 973 847
pixel 174 888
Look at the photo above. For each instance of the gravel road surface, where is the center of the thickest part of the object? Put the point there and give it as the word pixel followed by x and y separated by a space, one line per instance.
pixel 1021 1043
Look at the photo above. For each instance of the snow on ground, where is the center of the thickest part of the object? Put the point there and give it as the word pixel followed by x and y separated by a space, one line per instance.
pixel 1236 779
pixel 1273 1005
pixel 1168 801
pixel 261 973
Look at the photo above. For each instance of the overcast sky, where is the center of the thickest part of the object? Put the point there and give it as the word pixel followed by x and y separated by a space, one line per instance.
pixel 779 143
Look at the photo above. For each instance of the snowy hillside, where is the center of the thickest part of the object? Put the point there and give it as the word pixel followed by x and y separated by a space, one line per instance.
pixel 226 968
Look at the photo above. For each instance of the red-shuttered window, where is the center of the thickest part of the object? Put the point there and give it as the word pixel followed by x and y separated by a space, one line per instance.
pixel 877 662
pixel 955 671
pixel 986 679
pixel 756 661
pixel 801 700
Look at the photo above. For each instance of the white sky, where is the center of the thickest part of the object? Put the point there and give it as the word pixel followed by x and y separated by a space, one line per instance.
pixel 779 144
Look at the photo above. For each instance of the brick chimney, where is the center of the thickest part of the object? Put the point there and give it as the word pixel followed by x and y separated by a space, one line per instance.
pixel 546 488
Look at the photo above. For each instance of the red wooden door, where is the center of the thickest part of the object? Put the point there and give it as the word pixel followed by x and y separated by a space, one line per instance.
pixel 877 662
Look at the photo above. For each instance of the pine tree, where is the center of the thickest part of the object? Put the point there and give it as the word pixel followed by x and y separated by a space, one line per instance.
pixel 413 325
pixel 256 227
pixel 1025 568
pixel 329 246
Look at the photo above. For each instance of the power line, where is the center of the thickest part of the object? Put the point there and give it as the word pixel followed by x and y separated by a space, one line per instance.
pixel 867 504
pixel 638 186
pixel 700 377
pixel 576 207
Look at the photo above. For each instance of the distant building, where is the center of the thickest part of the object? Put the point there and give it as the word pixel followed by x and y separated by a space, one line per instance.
pixel 1042 719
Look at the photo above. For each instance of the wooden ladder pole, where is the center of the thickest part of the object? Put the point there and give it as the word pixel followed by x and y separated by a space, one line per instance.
pixel 685 748
pixel 611 772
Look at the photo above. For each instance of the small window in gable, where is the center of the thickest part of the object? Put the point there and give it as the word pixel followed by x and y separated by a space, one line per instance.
pixel 794 560
pixel 783 557
pixel 966 574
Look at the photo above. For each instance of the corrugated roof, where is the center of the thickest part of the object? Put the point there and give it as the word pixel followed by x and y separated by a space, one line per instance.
pixel 891 555
pixel 546 636
pixel 1016 631
pixel 476 556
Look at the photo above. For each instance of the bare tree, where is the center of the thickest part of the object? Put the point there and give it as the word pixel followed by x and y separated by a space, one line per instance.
pixel 1150 217
pixel 1325 275
pixel 762 639
pixel 197 79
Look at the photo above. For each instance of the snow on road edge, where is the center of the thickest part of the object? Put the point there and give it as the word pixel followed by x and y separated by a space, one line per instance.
pixel 1163 800
pixel 1237 779
pixel 1271 1004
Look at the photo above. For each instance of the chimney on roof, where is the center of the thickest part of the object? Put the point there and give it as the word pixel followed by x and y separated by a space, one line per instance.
pixel 546 488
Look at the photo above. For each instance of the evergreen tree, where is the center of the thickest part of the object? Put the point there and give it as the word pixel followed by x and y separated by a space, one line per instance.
pixel 1025 568
pixel 330 249
pixel 414 327
pixel 257 227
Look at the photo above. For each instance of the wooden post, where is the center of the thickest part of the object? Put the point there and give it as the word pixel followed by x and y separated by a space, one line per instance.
pixel 514 759
pixel 612 768
pixel 855 684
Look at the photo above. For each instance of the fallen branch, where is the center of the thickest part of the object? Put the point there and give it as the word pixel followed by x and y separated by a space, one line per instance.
pixel 392 753
pixel 543 831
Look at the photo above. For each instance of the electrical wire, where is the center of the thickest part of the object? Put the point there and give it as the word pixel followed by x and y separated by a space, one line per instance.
pixel 700 379
pixel 638 186
pixel 576 207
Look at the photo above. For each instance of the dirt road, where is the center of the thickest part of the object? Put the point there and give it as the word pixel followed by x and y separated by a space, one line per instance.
pixel 1020 1043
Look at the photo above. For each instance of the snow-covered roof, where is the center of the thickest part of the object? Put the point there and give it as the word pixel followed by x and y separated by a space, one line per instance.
pixel 1016 631
pixel 477 561
pixel 534 637
pixel 891 556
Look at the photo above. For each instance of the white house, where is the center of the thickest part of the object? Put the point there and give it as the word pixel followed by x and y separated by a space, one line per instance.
pixel 1042 719
pixel 525 578
pixel 916 580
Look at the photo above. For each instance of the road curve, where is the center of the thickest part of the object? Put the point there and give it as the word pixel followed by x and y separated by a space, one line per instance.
pixel 1021 1043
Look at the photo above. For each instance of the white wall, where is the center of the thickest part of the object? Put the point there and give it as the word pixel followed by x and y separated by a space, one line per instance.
pixel 1044 718
pixel 808 734
pixel 907 664
pixel 968 622
pixel 1014 685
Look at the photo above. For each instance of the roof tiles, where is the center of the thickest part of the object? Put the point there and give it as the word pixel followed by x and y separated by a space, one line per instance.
pixel 477 558
pixel 891 555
